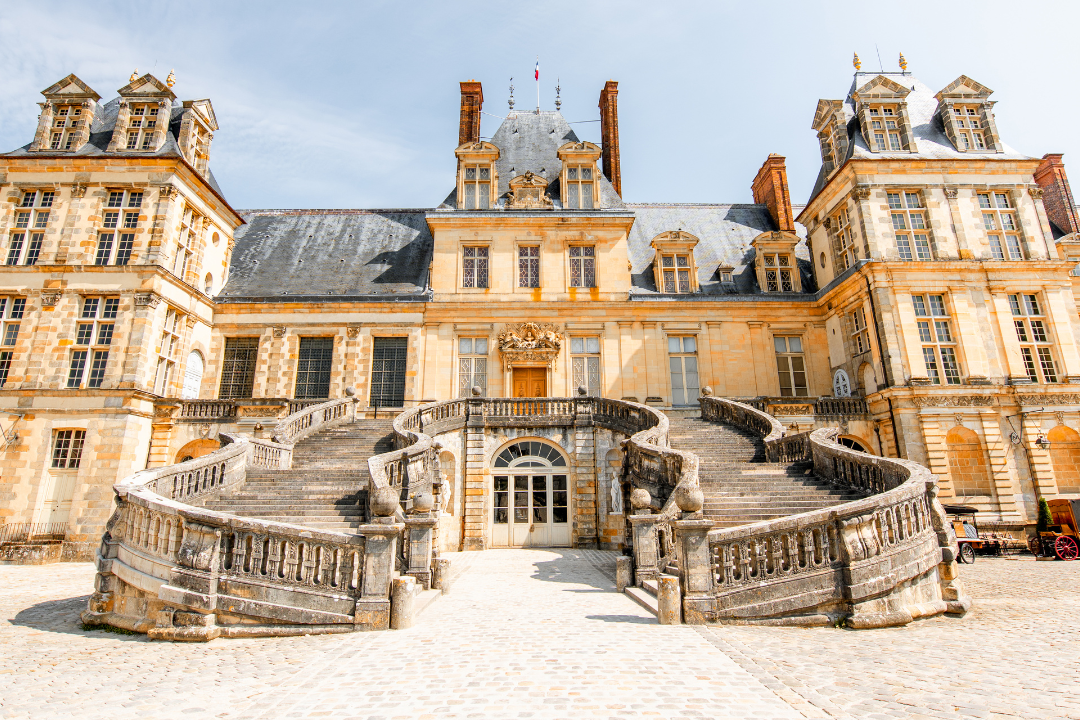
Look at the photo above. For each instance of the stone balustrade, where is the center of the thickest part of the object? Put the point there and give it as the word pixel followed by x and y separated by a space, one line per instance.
pixel 206 410
pixel 312 418
pixel 823 407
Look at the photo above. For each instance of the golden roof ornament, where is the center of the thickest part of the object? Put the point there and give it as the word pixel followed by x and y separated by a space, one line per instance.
pixel 134 76
pixel 856 62
pixel 903 63
pixel 171 80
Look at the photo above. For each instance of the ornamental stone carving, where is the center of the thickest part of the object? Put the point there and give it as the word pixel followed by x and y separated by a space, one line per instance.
pixel 149 300
pixel 352 330
pixel 49 298
pixel 1062 399
pixel 529 192
pixel 530 343
pixel 279 330
pixel 953 401
pixel 789 410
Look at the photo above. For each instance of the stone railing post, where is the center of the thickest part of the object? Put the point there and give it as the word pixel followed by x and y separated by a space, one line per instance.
pixel 193 585
pixel 952 592
pixel 646 557
pixel 421 532
pixel 380 548
pixel 695 569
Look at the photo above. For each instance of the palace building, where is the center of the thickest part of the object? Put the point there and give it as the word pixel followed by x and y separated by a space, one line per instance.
pixel 921 299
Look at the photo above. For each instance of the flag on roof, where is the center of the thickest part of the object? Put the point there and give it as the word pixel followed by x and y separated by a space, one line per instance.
pixel 537 69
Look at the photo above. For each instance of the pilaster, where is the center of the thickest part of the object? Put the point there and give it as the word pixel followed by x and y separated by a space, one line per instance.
pixel 475 476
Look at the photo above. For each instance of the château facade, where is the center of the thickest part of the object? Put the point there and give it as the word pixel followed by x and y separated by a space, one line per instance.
pixel 922 298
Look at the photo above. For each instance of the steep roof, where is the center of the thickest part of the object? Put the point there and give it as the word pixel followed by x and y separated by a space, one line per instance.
pixel 529 141
pixel 330 255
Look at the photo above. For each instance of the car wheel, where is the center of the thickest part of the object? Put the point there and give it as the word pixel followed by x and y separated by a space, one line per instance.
pixel 967 553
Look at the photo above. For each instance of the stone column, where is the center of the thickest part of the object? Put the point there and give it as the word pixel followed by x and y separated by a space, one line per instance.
pixel 475 476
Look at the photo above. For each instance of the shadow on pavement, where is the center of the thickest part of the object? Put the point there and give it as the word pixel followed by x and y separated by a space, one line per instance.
pixel 573 566
pixel 623 619
pixel 62 616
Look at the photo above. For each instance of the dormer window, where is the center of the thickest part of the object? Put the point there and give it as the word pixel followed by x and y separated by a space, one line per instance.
pixel 964 107
pixel 831 126
pixel 579 187
pixel 579 175
pixel 777 269
pixel 725 273
pixel 675 272
pixel 674 266
pixel 64 127
pixel 142 122
pixel 969 127
pixel 883 116
pixel 885 128
pixel 477 185
pixel 778 273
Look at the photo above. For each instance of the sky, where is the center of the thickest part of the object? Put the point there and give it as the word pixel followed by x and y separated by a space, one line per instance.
pixel 355 104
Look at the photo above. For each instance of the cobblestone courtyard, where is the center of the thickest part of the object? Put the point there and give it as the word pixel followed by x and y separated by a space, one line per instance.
pixel 541 634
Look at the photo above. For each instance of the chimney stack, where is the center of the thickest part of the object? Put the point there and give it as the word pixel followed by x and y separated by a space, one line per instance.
pixel 472 99
pixel 1057 197
pixel 609 134
pixel 771 189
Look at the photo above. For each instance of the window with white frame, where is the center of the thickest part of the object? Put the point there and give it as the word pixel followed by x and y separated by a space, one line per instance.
pixel 790 366
pixel 11 313
pixel 65 126
pixel 529 266
pixel 1036 346
pixel 909 225
pixel 93 337
pixel 169 346
pixel 474 266
pixel 860 335
pixel 477 184
pixel 675 272
pixel 472 365
pixel 67 449
pixel 142 123
pixel 969 127
pixel 1002 230
pixel 582 266
pixel 843 240
pixel 579 187
pixel 190 227
pixel 31 219
pixel 885 127
pixel 585 364
pixel 936 336
pixel 119 219
pixel 682 361
pixel 778 272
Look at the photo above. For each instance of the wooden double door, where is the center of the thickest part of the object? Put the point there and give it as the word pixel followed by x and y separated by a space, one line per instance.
pixel 530 382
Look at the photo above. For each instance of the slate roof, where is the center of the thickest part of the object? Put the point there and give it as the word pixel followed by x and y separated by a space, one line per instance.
pixel 931 142
pixel 530 141
pixel 330 255
pixel 101 132
pixel 724 234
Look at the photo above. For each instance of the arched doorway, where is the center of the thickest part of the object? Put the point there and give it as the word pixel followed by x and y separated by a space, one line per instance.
pixel 531 496
pixel 196 449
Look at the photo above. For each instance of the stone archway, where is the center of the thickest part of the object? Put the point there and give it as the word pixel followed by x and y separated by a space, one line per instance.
pixel 968 465
pixel 196 449
pixel 1065 457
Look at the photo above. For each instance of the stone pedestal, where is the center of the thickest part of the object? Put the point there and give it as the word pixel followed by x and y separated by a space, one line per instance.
pixel 695 568
pixel 421 531
pixel 646 551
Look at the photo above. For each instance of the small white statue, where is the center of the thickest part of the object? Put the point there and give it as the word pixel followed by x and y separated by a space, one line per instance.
pixel 616 495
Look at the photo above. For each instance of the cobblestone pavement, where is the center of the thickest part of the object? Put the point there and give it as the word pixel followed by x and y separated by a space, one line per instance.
pixel 541 634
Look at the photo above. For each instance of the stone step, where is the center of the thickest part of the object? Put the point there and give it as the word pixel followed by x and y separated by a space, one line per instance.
pixel 644 599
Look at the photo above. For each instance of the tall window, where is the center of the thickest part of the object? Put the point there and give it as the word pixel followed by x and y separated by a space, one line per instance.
pixel 585 360
pixel 938 344
pixel 169 346
pixel 67 449
pixel 884 124
pixel 582 266
pixel 388 371
pixel 579 187
pixel 190 227
pixel 11 312
pixel 675 272
pixel 64 127
pixel 477 187
pixel 93 337
pixel 238 368
pixel 909 225
pixel 193 373
pixel 529 266
pixel 843 240
pixel 778 269
pixel 1035 343
pixel 31 219
pixel 682 360
pixel 118 222
pixel 860 335
pixel 475 265
pixel 790 366
pixel 969 127
pixel 472 365
pixel 142 122
pixel 999 221
pixel 313 367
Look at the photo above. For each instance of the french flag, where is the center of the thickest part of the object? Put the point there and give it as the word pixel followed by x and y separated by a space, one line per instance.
pixel 537 69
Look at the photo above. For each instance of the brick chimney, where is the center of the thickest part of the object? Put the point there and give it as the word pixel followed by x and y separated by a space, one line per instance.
pixel 771 189
pixel 1057 197
pixel 472 99
pixel 609 134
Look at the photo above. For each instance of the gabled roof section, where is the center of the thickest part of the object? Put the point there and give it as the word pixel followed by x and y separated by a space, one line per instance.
pixel 70 87
pixel 204 111
pixel 147 85
pixel 881 87
pixel 824 112
pixel 964 87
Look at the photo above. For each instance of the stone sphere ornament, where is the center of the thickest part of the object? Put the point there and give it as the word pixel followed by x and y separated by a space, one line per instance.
pixel 350 391
pixel 707 391
pixel 640 498
pixel 689 499
pixel 423 501
pixel 384 501
pixel 582 390
pixel 476 391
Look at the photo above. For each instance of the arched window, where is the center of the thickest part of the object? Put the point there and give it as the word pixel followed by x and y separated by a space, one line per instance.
pixel 208 284
pixel 192 376
pixel 1065 457
pixel 852 443
pixel 530 453
pixel 841 384
pixel 968 466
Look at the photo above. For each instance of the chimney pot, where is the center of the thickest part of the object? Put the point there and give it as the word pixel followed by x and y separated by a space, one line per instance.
pixel 472 100
pixel 770 189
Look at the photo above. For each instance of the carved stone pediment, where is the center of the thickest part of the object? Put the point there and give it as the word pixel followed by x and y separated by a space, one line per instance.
pixel 529 192
pixel 530 343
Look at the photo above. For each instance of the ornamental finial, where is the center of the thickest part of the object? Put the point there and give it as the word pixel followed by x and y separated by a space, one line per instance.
pixel 511 93
pixel 134 76
pixel 171 80
pixel 558 101
pixel 857 62
pixel 903 63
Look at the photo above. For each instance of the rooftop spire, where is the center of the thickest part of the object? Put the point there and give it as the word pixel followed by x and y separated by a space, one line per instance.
pixel 903 63
pixel 856 62
pixel 558 101
pixel 511 101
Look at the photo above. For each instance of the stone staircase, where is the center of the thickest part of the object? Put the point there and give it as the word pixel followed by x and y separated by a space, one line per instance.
pixel 327 487
pixel 740 486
